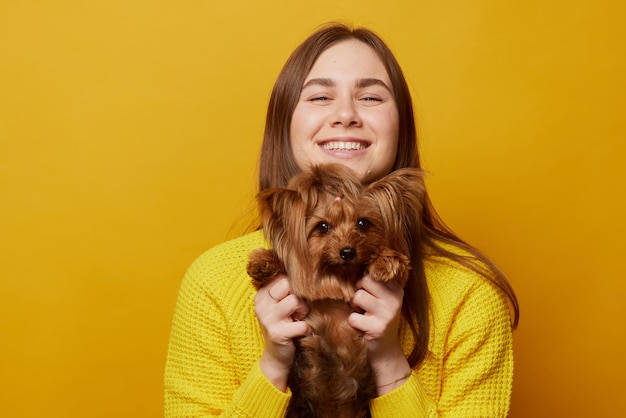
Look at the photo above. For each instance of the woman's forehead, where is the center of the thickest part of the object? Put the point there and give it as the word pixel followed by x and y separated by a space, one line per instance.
pixel 349 60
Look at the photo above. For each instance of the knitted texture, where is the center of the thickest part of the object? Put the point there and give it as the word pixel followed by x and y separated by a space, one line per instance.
pixel 215 344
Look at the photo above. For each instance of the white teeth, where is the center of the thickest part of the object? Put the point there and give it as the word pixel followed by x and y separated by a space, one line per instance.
pixel 343 145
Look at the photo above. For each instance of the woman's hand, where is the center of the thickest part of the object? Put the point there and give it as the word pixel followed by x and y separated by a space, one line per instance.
pixel 380 321
pixel 279 313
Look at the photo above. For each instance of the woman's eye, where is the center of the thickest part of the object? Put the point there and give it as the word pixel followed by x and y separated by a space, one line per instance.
pixel 371 99
pixel 320 99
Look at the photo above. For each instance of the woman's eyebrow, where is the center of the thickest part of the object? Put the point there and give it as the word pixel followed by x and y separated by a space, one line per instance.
pixel 366 82
pixel 360 83
pixel 324 82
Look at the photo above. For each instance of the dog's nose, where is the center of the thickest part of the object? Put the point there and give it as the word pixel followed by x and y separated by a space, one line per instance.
pixel 347 253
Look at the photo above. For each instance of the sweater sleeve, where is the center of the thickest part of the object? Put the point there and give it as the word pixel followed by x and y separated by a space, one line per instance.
pixel 409 400
pixel 478 357
pixel 203 375
pixel 475 362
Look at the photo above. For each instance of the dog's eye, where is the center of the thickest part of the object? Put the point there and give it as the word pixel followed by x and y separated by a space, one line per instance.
pixel 363 224
pixel 323 227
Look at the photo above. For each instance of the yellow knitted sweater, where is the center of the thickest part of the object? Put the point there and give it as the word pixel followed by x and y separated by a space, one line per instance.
pixel 215 344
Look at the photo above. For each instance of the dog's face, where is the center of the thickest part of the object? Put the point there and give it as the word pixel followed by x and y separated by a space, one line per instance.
pixel 342 235
pixel 326 226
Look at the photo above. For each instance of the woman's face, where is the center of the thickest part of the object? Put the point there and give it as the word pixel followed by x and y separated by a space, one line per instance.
pixel 347 113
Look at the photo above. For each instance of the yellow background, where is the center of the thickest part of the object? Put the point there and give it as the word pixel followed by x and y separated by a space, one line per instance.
pixel 129 133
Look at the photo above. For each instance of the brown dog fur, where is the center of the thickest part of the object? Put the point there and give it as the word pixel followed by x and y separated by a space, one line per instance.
pixel 327 230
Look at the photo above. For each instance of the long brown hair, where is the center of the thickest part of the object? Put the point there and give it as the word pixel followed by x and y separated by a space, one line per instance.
pixel 278 166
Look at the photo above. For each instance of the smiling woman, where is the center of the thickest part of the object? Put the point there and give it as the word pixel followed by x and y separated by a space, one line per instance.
pixel 440 344
pixel 347 113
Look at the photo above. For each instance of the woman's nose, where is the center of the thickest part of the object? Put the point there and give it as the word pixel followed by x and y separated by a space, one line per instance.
pixel 345 113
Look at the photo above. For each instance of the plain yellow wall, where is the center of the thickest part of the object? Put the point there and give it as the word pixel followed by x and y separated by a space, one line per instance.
pixel 129 132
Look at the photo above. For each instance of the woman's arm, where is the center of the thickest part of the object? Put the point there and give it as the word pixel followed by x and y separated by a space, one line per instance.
pixel 381 304
pixel 472 373
pixel 276 308
pixel 203 377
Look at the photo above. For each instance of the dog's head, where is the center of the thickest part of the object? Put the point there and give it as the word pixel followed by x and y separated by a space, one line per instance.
pixel 327 226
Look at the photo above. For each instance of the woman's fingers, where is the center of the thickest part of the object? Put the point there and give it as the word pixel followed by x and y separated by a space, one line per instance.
pixel 380 304
pixel 276 297
pixel 280 312
pixel 372 296
pixel 278 289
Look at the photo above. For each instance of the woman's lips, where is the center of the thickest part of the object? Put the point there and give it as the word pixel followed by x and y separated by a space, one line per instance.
pixel 344 148
pixel 344 145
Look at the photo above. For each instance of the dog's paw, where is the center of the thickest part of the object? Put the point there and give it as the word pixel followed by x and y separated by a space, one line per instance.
pixel 387 265
pixel 263 266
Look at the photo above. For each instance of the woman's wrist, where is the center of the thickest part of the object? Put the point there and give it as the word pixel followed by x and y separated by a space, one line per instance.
pixel 381 389
pixel 391 372
pixel 274 371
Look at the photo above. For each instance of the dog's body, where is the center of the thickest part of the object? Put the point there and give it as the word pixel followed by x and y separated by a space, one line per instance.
pixel 327 230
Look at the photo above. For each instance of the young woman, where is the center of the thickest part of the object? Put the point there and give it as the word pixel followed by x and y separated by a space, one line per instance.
pixel 441 346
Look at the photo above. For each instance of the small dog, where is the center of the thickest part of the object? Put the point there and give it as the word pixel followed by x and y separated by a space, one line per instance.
pixel 327 230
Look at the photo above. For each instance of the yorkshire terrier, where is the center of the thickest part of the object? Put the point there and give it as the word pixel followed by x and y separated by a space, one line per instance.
pixel 327 230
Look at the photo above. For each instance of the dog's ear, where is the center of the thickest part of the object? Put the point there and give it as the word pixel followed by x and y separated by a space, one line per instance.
pixel 283 214
pixel 400 196
pixel 274 204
